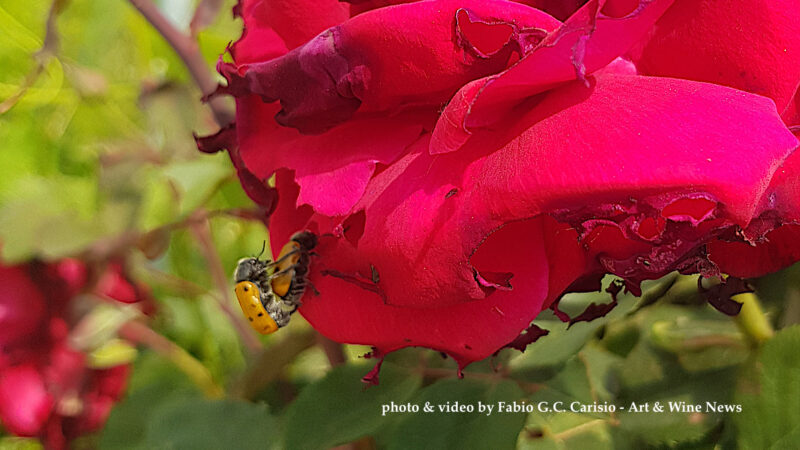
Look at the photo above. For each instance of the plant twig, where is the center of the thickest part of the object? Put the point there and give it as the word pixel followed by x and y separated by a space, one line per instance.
pixel 106 248
pixel 140 333
pixel 201 231
pixel 189 52
pixel 333 350
pixel 269 365
pixel 751 319
pixel 48 50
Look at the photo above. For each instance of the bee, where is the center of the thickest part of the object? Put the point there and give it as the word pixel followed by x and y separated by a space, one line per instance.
pixel 289 281
pixel 270 292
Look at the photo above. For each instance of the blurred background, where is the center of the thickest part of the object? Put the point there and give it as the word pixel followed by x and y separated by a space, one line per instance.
pixel 119 328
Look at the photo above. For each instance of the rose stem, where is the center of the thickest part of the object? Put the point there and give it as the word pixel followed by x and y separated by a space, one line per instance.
pixel 751 320
pixel 202 233
pixel 189 52
pixel 269 365
pixel 333 350
pixel 138 332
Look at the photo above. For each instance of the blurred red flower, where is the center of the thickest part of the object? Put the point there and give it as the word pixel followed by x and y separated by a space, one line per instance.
pixel 46 388
pixel 467 162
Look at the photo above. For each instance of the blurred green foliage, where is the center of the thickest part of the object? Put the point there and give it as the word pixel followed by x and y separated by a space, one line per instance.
pixel 98 151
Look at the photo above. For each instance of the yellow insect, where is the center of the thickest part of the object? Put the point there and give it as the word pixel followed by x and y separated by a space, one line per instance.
pixel 289 280
pixel 249 297
pixel 270 292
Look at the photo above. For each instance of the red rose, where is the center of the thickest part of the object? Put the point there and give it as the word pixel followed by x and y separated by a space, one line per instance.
pixel 466 162
pixel 46 389
pixel 752 46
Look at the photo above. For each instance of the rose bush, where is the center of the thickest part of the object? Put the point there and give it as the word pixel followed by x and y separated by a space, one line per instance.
pixel 467 162
pixel 47 388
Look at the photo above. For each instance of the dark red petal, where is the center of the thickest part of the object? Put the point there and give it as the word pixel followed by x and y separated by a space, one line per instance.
pixel 111 382
pixel 96 410
pixel 22 307
pixel 560 9
pixel 361 6
pixel 65 370
pixel 751 45
pixel 223 139
pixel 791 115
pixel 595 310
pixel 719 296
pixel 529 336
pixel 113 284
pixel 740 259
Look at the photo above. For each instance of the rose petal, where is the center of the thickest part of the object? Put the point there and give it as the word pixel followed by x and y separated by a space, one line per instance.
pixel 791 115
pixel 25 403
pixel 390 58
pixel 655 181
pixel 295 21
pixel 751 45
pixel 467 332
pixel 360 6
pixel 740 259
pixel 332 168
pixel 588 41
pixel 22 307
pixel 560 9
pixel 113 284
pixel 641 134
pixel 778 247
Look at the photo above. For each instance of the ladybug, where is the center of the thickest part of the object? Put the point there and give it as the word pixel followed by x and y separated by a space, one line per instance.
pixel 270 292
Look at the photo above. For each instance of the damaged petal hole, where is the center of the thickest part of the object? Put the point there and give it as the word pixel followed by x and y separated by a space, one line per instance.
pixel 693 210
pixel 495 280
pixel 485 38
pixel 651 227
pixel 609 240
pixel 622 8
pixel 353 227
pixel 495 261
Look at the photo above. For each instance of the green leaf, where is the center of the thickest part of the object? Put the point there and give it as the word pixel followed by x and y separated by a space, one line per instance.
pixel 770 416
pixel 204 424
pixel 542 358
pixel 127 425
pixel 17 443
pixel 340 408
pixel 461 430
pixel 565 429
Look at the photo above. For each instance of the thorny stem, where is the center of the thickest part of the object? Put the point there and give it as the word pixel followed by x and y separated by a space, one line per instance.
pixel 189 52
pixel 138 332
pixel 751 319
pixel 202 233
